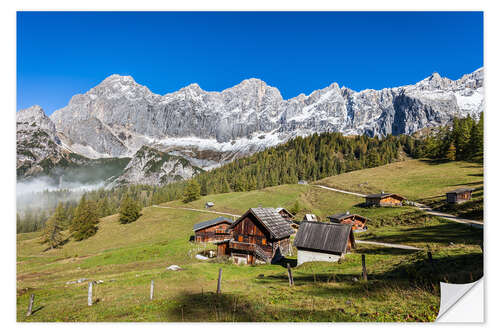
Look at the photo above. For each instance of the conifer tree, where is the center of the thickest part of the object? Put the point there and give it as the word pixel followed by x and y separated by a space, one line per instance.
pixel 129 210
pixel 85 221
pixel 225 186
pixel 192 191
pixel 451 153
pixel 295 208
pixel 52 231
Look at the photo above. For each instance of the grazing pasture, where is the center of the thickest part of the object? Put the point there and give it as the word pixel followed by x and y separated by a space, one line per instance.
pixel 403 285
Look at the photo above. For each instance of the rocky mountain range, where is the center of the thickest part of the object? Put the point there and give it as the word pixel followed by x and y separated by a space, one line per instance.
pixel 119 116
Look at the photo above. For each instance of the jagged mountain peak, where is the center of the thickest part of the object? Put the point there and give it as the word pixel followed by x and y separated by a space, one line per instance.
pixel 120 86
pixel 32 111
pixel 119 115
pixel 119 78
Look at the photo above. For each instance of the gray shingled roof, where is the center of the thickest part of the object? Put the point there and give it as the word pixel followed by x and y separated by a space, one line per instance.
pixel 209 223
pixel 342 216
pixel 383 195
pixel 323 237
pixel 461 190
pixel 279 209
pixel 277 226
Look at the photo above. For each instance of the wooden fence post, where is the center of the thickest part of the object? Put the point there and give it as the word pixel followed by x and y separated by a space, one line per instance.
pixel 152 290
pixel 89 300
pixel 429 256
pixel 290 276
pixel 30 307
pixel 219 280
pixel 363 263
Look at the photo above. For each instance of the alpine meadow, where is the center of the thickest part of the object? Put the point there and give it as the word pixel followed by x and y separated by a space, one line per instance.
pixel 199 167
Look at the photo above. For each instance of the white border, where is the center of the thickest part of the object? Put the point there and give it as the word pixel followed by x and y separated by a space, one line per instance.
pixel 8 103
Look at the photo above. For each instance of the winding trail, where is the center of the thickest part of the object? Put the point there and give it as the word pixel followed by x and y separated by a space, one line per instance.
pixel 197 210
pixel 341 191
pixel 396 246
pixel 425 209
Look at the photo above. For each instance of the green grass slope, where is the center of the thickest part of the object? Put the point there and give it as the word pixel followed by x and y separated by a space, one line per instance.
pixel 402 285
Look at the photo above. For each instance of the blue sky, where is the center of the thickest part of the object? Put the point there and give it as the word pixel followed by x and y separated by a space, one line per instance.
pixel 60 54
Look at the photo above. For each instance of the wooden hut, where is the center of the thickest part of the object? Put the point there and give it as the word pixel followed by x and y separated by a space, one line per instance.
pixel 209 204
pixel 459 195
pixel 261 235
pixel 285 214
pixel 384 199
pixel 212 230
pixel 316 241
pixel 358 222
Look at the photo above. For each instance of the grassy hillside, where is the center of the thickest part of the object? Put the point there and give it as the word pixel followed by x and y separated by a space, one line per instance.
pixel 424 181
pixel 415 179
pixel 402 286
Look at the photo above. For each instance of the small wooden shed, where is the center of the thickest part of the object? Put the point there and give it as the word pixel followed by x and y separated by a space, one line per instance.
pixel 317 241
pixel 459 195
pixel 384 199
pixel 285 214
pixel 358 222
pixel 212 230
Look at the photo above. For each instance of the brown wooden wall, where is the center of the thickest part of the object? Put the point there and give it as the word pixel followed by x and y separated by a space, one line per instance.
pixel 356 222
pixel 458 197
pixel 213 233
pixel 250 231
pixel 389 201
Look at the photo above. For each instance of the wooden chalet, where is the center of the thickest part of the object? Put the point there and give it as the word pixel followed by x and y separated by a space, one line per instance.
pixel 459 195
pixel 285 214
pixel 261 235
pixel 317 241
pixel 358 222
pixel 384 199
pixel 212 230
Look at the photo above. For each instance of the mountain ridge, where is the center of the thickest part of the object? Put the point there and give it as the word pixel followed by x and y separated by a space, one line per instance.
pixel 119 116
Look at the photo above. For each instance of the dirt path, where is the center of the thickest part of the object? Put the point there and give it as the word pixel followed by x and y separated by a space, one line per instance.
pixel 396 246
pixel 341 191
pixel 449 217
pixel 425 209
pixel 197 210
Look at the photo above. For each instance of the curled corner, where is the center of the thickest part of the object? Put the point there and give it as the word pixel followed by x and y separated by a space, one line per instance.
pixel 451 294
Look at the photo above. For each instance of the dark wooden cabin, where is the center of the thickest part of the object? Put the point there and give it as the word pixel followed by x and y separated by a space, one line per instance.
pixel 459 195
pixel 384 199
pixel 285 214
pixel 317 241
pixel 358 222
pixel 212 230
pixel 258 236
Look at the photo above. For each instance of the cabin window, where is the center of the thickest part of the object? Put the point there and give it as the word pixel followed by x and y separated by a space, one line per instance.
pixel 240 238
pixel 263 241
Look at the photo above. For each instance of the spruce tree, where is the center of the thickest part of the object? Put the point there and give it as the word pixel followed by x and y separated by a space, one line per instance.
pixel 129 210
pixel 451 153
pixel 192 191
pixel 85 221
pixel 295 208
pixel 52 231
